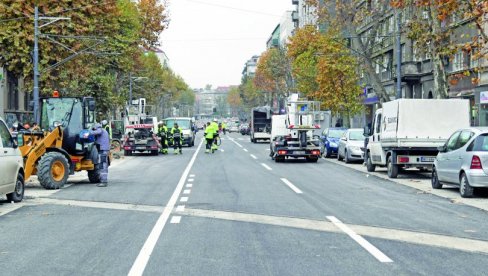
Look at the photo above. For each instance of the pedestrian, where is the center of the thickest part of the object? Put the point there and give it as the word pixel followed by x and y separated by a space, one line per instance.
pixel 177 136
pixel 163 134
pixel 215 127
pixel 103 145
pixel 224 127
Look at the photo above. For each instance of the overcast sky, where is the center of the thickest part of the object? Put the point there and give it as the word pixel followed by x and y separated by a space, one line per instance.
pixel 208 41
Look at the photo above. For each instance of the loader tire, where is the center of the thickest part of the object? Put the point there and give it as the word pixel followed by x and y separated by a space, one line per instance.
pixel 94 175
pixel 53 170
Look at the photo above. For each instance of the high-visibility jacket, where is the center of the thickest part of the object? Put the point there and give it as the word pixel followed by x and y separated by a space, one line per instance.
pixel 177 133
pixel 209 132
pixel 162 131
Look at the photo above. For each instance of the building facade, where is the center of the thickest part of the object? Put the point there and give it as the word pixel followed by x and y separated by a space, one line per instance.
pixel 14 101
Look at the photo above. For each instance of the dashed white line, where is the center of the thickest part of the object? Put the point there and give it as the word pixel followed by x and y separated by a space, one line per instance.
pixel 180 208
pixel 142 259
pixel 189 185
pixel 245 150
pixel 254 156
pixel 380 256
pixel 187 191
pixel 222 150
pixel 293 187
pixel 266 167
pixel 191 180
pixel 184 199
pixel 175 219
pixel 192 175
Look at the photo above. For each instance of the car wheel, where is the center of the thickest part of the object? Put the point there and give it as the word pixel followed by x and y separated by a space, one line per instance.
pixel 392 168
pixel 339 158
pixel 464 188
pixel 346 157
pixel 18 194
pixel 436 184
pixel 369 163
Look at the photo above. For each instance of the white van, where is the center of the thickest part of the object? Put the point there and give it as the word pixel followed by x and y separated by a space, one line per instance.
pixel 11 166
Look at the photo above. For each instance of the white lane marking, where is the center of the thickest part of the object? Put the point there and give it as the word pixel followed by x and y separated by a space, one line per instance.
pixel 142 259
pixel 189 185
pixel 190 180
pixel 239 145
pixel 245 150
pixel 222 150
pixel 187 191
pixel 254 156
pixel 180 208
pixel 293 187
pixel 192 175
pixel 266 166
pixel 380 256
pixel 268 149
pixel 184 199
pixel 175 219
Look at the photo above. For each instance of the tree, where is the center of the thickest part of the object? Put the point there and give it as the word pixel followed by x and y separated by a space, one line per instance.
pixel 154 20
pixel 351 17
pixel 304 49
pixel 234 100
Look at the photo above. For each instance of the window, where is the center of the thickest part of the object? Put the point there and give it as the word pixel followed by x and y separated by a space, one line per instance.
pixel 458 62
pixel 464 138
pixel 391 24
pixel 378 124
pixel 452 142
pixel 5 136
pixel 386 63
pixel 480 143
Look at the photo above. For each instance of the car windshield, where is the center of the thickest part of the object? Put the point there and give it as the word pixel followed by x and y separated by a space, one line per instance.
pixel 183 124
pixel 480 143
pixel 356 135
pixel 336 133
pixel 57 110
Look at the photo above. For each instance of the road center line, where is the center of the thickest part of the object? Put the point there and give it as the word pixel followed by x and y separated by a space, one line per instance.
pixel 143 257
pixel 189 185
pixel 245 150
pixel 180 208
pixel 360 240
pixel 293 187
pixel 187 191
pixel 266 166
pixel 254 156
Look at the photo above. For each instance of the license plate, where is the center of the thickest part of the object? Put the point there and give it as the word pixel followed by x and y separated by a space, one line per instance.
pixel 141 148
pixel 427 159
pixel 299 152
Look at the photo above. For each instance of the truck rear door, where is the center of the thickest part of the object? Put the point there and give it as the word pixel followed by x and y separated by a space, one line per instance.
pixel 376 151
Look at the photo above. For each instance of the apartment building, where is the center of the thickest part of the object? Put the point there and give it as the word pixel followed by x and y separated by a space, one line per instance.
pixel 14 101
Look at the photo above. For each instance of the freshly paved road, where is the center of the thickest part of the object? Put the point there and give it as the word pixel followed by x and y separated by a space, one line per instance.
pixel 236 212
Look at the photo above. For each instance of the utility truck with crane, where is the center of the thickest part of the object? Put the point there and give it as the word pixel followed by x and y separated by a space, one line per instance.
pixel 140 129
pixel 292 134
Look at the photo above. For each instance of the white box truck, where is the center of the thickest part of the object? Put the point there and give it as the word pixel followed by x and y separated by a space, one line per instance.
pixel 406 133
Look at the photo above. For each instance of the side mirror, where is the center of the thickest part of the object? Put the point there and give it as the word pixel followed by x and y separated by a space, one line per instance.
pixel 20 140
pixel 442 148
pixel 344 138
pixel 91 105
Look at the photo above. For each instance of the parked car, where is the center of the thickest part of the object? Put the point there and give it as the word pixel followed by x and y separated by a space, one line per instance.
pixel 351 145
pixel 11 165
pixel 330 140
pixel 463 161
pixel 233 127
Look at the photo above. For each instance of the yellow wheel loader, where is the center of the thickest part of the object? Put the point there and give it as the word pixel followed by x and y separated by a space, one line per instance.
pixel 61 145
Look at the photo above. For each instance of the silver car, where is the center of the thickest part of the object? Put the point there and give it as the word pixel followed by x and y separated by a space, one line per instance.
pixel 351 145
pixel 463 161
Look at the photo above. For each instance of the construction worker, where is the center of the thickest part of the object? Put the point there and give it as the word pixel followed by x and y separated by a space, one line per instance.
pixel 215 126
pixel 163 133
pixel 177 135
pixel 107 128
pixel 209 137
pixel 103 145
pixel 224 127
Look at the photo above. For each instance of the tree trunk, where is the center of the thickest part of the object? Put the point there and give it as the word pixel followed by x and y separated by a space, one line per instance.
pixel 441 86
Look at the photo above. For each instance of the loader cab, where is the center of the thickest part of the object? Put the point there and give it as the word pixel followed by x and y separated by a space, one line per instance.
pixel 72 114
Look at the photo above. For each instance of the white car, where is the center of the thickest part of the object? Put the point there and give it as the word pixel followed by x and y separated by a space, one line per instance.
pixel 351 145
pixel 11 166
pixel 463 161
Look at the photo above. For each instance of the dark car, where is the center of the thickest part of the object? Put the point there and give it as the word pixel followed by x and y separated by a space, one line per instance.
pixel 330 140
pixel 245 129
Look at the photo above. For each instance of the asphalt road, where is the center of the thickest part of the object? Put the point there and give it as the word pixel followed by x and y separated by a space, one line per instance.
pixel 236 212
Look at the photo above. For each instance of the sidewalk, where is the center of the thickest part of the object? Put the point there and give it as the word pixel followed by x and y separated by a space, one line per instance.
pixel 421 182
